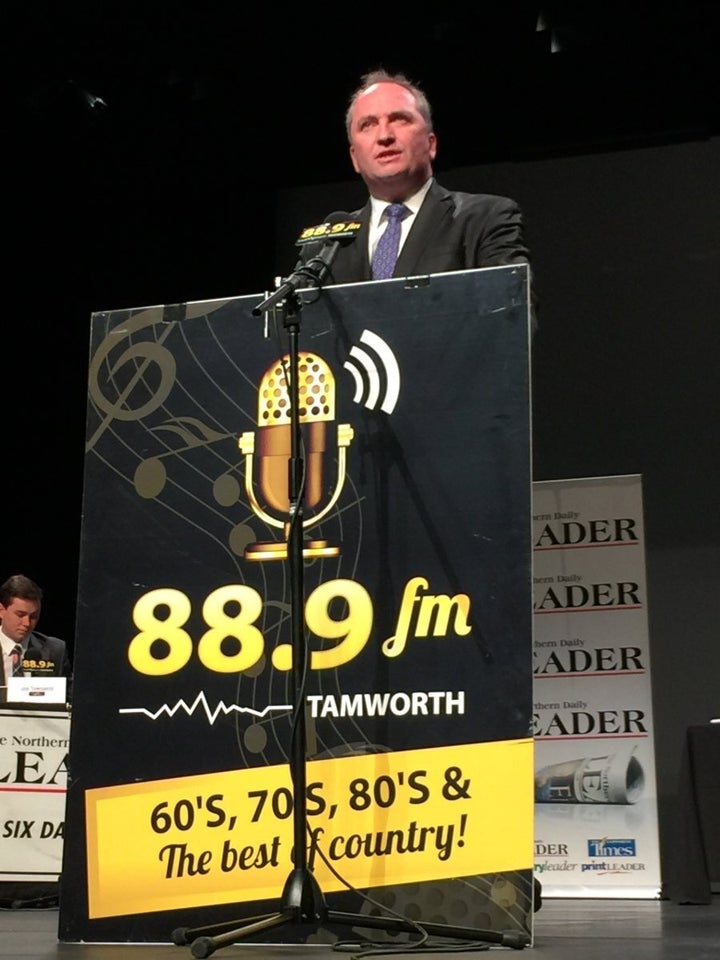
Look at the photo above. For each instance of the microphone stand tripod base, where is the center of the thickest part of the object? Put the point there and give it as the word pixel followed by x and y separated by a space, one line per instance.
pixel 277 550
pixel 302 903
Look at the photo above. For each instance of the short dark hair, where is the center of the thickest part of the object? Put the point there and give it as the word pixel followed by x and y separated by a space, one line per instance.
pixel 19 586
pixel 384 76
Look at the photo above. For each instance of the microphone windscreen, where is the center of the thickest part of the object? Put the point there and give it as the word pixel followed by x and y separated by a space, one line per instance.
pixel 340 226
pixel 35 664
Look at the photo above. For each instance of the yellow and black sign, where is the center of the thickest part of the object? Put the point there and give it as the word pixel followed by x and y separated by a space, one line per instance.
pixel 416 612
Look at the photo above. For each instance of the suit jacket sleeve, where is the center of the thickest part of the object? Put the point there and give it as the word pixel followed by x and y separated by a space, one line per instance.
pixel 463 231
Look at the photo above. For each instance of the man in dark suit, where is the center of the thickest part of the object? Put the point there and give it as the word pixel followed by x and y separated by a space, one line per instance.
pixel 392 147
pixel 26 651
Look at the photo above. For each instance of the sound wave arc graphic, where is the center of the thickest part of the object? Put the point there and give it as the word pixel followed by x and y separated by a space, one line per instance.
pixel 200 702
pixel 374 372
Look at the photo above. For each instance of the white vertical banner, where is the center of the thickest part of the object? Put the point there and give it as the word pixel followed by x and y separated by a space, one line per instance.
pixel 33 785
pixel 596 823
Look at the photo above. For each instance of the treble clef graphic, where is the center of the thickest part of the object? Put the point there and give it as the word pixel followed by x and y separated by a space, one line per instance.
pixel 140 356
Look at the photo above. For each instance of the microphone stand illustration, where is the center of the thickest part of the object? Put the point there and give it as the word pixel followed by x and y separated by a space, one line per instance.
pixel 302 900
pixel 316 398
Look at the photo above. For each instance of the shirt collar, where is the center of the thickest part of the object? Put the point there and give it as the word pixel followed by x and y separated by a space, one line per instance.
pixel 413 203
pixel 8 644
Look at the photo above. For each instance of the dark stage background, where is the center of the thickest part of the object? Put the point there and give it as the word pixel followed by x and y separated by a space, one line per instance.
pixel 162 153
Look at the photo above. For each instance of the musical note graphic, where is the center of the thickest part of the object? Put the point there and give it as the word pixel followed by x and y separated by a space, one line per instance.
pixel 151 475
pixel 169 393
pixel 129 371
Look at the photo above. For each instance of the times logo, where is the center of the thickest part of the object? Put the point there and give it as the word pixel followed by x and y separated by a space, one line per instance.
pixel 606 847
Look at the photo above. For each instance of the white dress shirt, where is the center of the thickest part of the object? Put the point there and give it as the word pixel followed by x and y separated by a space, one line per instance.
pixel 7 649
pixel 378 222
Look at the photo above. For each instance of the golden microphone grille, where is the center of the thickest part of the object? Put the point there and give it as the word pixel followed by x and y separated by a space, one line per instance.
pixel 316 391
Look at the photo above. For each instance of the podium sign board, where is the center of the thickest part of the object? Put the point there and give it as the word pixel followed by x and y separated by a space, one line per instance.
pixel 418 611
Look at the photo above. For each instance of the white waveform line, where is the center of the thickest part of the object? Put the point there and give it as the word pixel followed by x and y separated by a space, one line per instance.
pixel 212 715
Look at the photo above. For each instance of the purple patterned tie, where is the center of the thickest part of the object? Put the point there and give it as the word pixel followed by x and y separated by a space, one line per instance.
pixel 386 251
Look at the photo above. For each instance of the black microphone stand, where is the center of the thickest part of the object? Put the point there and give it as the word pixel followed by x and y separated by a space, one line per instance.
pixel 302 901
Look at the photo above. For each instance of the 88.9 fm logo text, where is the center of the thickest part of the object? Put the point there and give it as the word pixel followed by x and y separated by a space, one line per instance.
pixel 231 613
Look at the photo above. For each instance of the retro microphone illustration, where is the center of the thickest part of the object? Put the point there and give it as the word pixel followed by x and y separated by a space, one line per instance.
pixel 316 390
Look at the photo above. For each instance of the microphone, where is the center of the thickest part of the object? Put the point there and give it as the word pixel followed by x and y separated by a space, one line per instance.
pixel 338 226
pixel 35 664
pixel 339 229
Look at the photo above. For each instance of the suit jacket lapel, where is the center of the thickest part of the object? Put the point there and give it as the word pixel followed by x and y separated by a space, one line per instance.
pixel 359 260
pixel 435 212
pixel 351 263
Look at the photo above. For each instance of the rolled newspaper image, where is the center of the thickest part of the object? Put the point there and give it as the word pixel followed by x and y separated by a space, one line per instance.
pixel 617 778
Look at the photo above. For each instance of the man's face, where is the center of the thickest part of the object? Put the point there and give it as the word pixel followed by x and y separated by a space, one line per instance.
pixel 19 618
pixel 391 146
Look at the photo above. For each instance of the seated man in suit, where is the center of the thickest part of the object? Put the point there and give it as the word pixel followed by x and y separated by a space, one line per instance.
pixel 392 147
pixel 25 651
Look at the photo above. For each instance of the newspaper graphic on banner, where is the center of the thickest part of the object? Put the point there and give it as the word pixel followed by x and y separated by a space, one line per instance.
pixel 596 823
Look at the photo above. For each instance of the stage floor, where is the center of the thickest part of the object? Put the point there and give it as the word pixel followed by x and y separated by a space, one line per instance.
pixel 564 930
